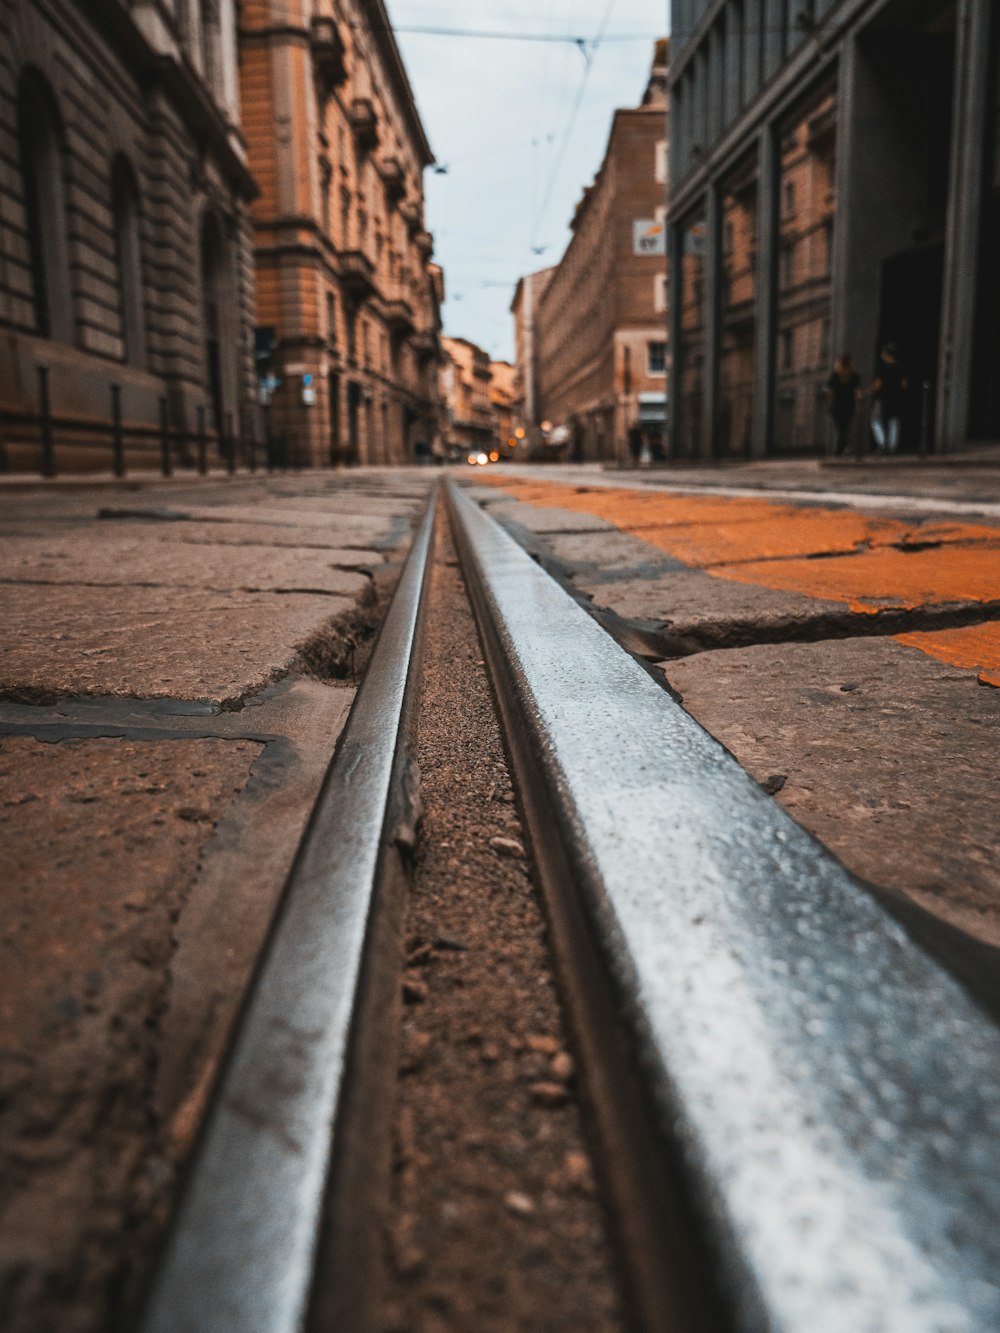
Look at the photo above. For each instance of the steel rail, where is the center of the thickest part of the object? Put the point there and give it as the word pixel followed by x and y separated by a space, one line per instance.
pixel 248 1238
pixel 821 1095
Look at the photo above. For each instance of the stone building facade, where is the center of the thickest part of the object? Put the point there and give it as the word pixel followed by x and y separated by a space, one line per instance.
pixel 599 327
pixel 834 186
pixel 348 298
pixel 503 399
pixel 470 424
pixel 125 264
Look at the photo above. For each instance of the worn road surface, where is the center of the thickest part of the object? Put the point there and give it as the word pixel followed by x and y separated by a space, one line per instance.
pixel 179 660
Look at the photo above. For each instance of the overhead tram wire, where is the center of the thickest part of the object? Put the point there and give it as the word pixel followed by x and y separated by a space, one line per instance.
pixel 497 35
pixel 589 52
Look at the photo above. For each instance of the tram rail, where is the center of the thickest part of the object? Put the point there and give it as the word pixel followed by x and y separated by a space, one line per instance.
pixel 796 1108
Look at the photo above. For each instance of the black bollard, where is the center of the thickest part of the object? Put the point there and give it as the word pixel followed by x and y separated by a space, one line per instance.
pixel 166 463
pixel 117 443
pixel 202 458
pixel 925 417
pixel 45 421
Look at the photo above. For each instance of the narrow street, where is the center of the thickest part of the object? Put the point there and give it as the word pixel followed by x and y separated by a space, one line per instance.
pixel 181 660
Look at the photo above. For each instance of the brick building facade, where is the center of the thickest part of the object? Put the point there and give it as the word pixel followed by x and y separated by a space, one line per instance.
pixel 124 234
pixel 599 337
pixel 834 186
pixel 527 294
pixel 348 299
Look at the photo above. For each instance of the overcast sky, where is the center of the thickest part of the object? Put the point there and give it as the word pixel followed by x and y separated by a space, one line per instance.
pixel 521 128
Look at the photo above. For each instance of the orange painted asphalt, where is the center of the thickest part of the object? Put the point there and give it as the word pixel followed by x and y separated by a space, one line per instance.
pixel 869 563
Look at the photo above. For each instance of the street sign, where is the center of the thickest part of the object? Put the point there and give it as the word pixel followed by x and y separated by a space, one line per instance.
pixel 649 237
pixel 266 386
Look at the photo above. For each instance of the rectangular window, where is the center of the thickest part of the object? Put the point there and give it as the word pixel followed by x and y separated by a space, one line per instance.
pixel 660 293
pixel 656 358
pixel 331 319
pixel 660 163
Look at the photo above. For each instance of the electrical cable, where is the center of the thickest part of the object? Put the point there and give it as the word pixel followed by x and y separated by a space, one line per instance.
pixel 594 46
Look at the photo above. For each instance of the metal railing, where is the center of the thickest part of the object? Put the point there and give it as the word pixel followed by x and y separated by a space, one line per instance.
pixel 164 446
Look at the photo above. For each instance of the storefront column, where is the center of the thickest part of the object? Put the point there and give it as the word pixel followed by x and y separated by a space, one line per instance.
pixel 710 374
pixel 962 228
pixel 675 270
pixel 765 328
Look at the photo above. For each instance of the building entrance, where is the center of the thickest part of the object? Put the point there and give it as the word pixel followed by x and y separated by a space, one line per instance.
pixel 900 126
pixel 910 318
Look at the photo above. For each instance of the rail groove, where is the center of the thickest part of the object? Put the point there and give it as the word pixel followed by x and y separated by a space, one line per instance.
pixel 266 1235
pixel 772 1058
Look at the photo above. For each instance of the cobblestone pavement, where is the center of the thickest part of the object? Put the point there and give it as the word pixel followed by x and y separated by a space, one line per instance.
pixel 843 641
pixel 181 657
pixel 178 662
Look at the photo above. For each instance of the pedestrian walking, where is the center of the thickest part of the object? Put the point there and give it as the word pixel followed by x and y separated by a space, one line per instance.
pixel 843 389
pixel 634 443
pixel 888 392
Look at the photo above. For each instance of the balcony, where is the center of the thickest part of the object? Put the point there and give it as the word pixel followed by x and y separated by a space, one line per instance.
pixel 426 344
pixel 357 274
pixel 328 53
pixel 393 178
pixel 364 123
pixel 399 317
pixel 410 213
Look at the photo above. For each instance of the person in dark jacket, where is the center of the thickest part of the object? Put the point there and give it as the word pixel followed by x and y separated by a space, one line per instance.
pixel 843 388
pixel 888 390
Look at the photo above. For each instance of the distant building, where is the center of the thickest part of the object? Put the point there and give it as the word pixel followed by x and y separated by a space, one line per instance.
pixel 348 299
pixel 465 385
pixel 599 326
pixel 125 269
pixel 503 398
pixel 834 186
pixel 529 291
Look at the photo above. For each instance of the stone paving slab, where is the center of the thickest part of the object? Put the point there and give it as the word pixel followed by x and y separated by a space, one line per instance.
pixel 167 642
pixel 888 756
pixel 610 555
pixel 100 841
pixel 339 552
pixel 144 846
pixel 690 601
pixel 535 518
pixel 115 554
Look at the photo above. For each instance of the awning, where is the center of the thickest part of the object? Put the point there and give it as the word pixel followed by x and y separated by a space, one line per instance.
pixel 652 407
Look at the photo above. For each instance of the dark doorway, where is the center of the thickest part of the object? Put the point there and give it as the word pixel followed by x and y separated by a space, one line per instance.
pixel 910 317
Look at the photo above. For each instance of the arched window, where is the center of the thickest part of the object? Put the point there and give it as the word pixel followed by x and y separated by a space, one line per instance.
pixel 128 252
pixel 40 145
